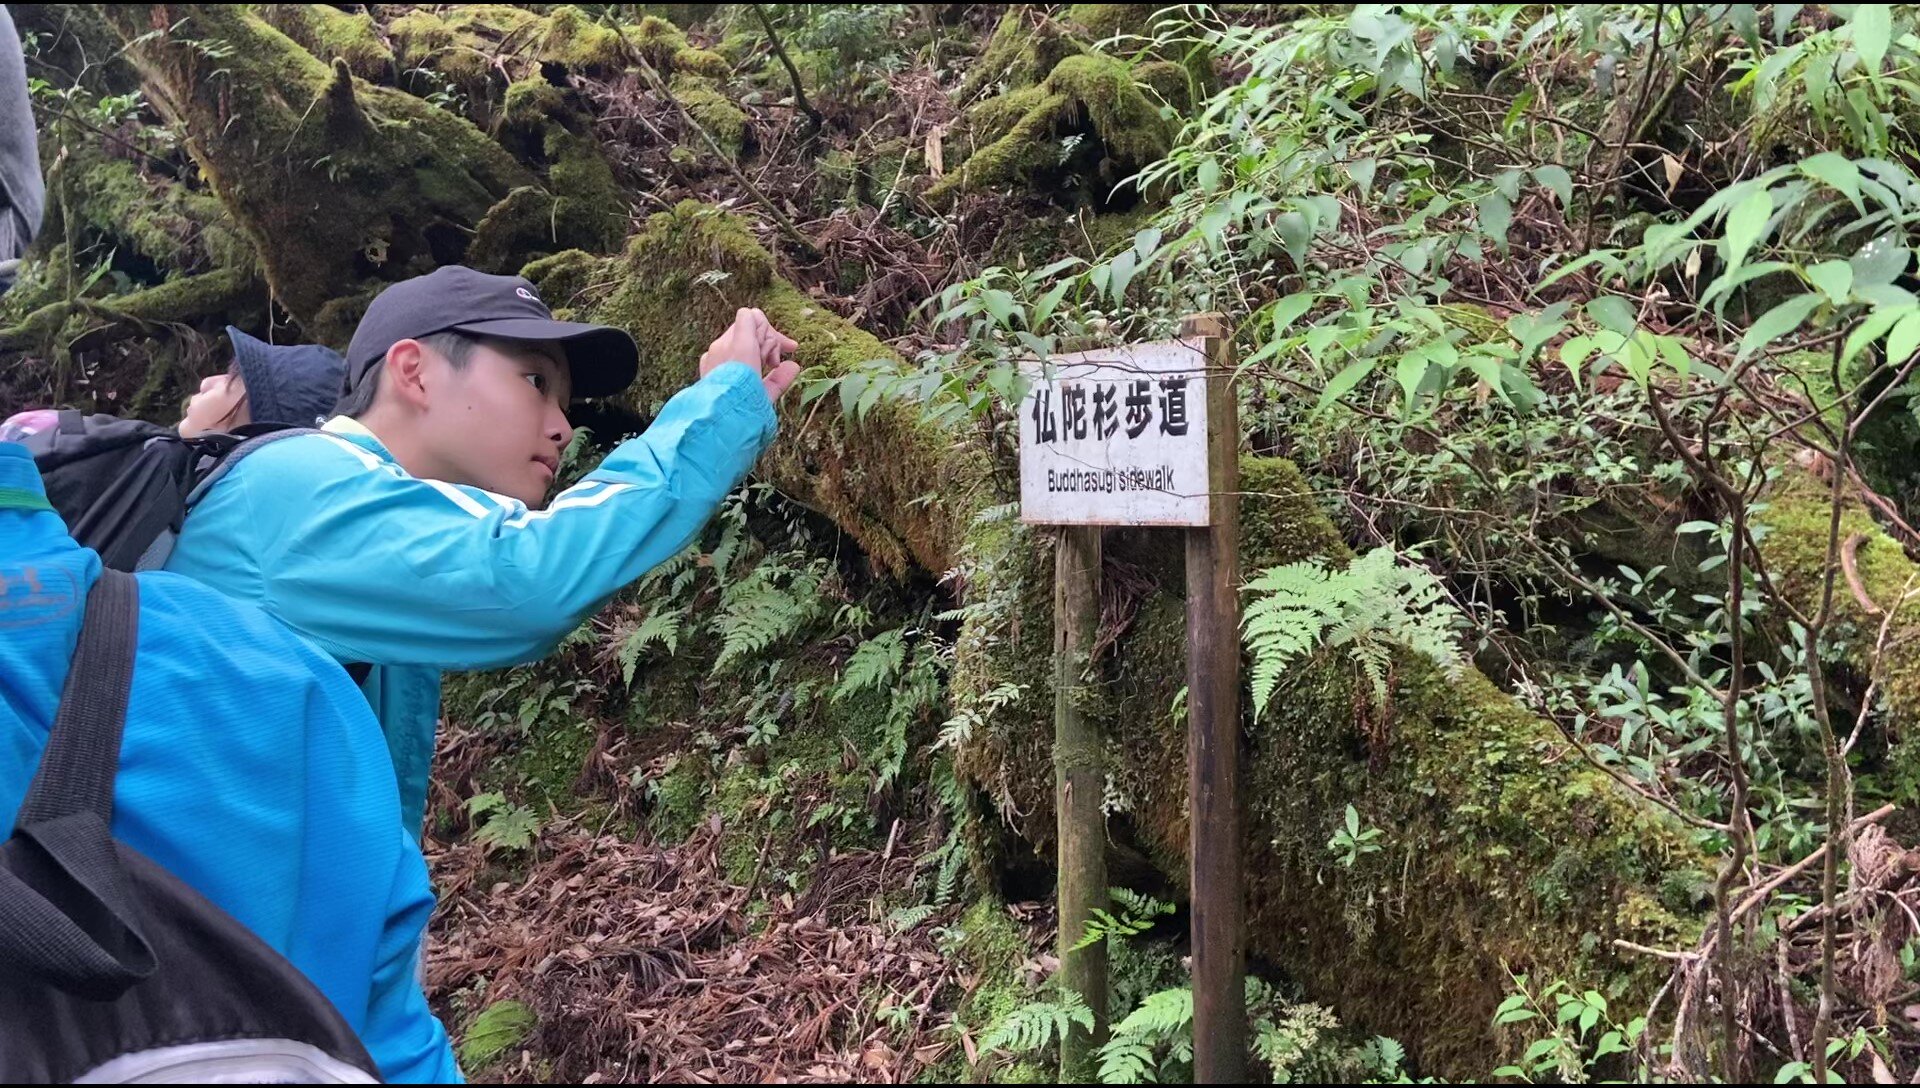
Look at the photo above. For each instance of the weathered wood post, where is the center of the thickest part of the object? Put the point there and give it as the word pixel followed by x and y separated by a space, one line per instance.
pixel 1079 766
pixel 1213 735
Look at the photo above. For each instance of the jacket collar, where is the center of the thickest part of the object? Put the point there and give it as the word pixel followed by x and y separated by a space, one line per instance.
pixel 357 433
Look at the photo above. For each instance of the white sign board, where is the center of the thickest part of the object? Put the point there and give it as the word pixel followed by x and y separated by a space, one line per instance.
pixel 1116 437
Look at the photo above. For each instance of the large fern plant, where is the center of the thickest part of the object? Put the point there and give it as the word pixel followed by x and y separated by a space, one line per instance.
pixel 1373 605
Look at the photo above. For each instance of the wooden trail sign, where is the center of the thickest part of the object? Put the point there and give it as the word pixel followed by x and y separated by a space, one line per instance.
pixel 1117 437
pixel 1147 435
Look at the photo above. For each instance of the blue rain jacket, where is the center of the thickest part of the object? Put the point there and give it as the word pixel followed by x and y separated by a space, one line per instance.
pixel 250 768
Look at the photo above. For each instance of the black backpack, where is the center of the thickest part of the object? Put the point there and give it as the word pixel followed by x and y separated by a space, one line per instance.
pixel 123 486
pixel 111 969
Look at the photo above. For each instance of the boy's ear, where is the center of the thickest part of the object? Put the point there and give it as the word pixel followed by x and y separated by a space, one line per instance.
pixel 405 375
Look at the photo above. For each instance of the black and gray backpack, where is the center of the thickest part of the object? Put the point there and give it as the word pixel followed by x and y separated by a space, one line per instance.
pixel 111 969
pixel 123 486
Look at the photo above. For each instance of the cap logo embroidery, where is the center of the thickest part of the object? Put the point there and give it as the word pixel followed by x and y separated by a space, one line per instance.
pixel 526 294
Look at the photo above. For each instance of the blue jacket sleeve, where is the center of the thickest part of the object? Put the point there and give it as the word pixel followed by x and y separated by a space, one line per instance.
pixel 377 566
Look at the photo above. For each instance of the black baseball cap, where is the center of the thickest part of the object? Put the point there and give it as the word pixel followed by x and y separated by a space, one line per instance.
pixel 454 298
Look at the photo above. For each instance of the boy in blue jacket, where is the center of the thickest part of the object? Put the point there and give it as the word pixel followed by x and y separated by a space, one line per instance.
pixel 415 536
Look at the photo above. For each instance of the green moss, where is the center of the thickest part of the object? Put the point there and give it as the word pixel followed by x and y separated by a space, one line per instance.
pixel 680 14
pixel 1003 672
pixel 1182 73
pixel 680 802
pixel 581 206
pixel 993 952
pixel 567 279
pixel 658 40
pixel 740 45
pixel 327 32
pixel 1107 20
pixel 418 33
pixel 1020 135
pixel 177 228
pixel 574 39
pixel 530 104
pixel 422 39
pixel 1799 517
pixel 478 47
pixel 549 763
pixel 905 497
pixel 1170 82
pixel 714 112
pixel 180 300
pixel 1023 49
pixel 1499 850
pixel 702 62
pixel 993 949
pixel 324 204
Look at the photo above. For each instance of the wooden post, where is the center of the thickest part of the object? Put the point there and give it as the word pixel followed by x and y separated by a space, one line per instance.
pixel 1213 736
pixel 1079 761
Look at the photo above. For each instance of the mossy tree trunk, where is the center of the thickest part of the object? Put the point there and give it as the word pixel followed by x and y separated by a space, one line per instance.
pixel 340 185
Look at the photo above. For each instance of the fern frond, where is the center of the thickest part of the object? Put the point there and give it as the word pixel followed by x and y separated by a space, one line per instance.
pixel 661 626
pixel 1160 1017
pixel 1037 1024
pixel 1125 1061
pixel 1376 602
pixel 907 918
pixel 874 664
pixel 769 605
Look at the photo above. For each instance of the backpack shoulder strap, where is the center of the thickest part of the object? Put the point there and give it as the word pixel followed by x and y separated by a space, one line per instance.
pixel 83 750
pixel 66 917
pixel 232 457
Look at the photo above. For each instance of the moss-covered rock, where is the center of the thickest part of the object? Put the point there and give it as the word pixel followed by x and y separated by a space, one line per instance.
pixel 581 206
pixel 1088 120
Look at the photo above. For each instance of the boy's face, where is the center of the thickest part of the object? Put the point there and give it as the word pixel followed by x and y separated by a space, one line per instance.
pixel 500 423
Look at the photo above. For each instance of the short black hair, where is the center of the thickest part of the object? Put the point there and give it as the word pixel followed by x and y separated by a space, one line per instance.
pixel 456 347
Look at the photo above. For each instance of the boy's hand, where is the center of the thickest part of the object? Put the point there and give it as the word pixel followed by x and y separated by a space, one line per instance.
pixel 753 340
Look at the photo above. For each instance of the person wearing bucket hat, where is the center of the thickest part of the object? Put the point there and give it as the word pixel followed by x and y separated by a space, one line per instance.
pixel 295 385
pixel 414 534
pixel 291 384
